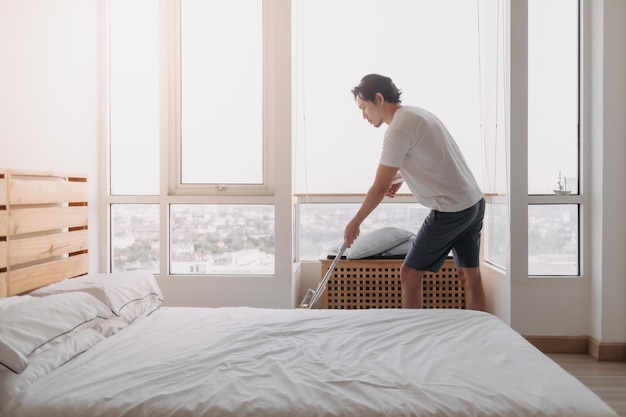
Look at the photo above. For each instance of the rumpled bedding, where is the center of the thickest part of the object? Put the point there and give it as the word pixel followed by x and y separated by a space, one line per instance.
pixel 184 361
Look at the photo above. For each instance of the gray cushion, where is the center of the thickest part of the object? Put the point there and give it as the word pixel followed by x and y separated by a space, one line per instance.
pixel 400 250
pixel 378 242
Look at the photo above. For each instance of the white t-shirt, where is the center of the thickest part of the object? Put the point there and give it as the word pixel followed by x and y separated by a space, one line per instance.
pixel 429 160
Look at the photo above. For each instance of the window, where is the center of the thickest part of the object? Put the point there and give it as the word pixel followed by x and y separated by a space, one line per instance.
pixel 221 239
pixel 134 97
pixel 189 137
pixel 553 239
pixel 552 96
pixel 492 55
pixel 317 240
pixel 432 56
pixel 193 130
pixel 135 231
pixel 553 141
pixel 496 237
pixel 221 92
pixel 553 144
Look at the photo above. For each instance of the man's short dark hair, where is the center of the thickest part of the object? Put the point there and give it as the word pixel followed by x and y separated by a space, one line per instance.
pixel 374 83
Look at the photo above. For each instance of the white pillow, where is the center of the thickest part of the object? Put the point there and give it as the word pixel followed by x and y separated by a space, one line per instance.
pixel 28 323
pixel 377 242
pixel 12 359
pixel 9 357
pixel 6 301
pixel 45 360
pixel 128 294
pixel 130 313
pixel 111 325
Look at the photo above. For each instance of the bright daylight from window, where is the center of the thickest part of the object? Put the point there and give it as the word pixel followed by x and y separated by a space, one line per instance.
pixel 432 56
pixel 446 56
pixel 222 114
pixel 553 151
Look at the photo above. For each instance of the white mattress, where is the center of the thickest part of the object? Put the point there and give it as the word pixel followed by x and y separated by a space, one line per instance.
pixel 262 362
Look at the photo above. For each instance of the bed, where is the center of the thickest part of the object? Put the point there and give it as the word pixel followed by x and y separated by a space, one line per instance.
pixel 106 345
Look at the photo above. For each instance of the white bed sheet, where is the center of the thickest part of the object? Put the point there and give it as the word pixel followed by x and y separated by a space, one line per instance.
pixel 262 362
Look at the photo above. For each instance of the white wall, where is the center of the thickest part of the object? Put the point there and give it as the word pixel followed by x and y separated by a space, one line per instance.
pixel 49 92
pixel 607 128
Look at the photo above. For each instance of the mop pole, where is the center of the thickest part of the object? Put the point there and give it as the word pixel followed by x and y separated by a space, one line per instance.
pixel 311 297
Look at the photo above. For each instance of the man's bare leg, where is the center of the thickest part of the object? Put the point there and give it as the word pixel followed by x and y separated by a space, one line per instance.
pixel 411 285
pixel 474 292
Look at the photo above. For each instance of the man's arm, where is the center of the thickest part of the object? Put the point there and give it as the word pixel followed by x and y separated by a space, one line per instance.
pixel 384 175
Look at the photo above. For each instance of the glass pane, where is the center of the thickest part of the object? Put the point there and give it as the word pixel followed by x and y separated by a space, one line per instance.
pixel 553 239
pixel 222 85
pixel 222 239
pixel 134 92
pixel 322 225
pixel 135 237
pixel 552 96
pixel 496 237
pixel 432 55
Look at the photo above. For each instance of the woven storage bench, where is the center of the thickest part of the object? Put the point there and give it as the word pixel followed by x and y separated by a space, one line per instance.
pixel 375 283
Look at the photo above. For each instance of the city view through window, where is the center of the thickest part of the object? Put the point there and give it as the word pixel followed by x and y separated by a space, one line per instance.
pixel 239 239
pixel 204 238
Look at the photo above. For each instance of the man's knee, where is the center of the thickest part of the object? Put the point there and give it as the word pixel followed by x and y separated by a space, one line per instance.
pixel 408 274
pixel 469 275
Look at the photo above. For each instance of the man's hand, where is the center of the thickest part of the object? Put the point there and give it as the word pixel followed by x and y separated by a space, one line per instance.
pixel 393 188
pixel 351 232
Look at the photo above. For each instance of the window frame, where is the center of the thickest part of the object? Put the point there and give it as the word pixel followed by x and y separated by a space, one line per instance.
pixel 276 135
pixel 172 49
pixel 578 198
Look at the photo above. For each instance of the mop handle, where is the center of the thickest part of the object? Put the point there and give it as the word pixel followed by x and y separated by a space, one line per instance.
pixel 322 285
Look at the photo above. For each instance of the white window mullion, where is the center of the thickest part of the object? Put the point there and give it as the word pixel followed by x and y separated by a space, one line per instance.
pixel 518 144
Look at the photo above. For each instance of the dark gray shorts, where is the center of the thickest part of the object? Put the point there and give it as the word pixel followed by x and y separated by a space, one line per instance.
pixel 443 232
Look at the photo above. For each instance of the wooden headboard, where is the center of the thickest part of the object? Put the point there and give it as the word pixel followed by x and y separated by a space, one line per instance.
pixel 43 229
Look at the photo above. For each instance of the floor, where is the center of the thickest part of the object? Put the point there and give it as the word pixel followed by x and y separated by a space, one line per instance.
pixel 606 379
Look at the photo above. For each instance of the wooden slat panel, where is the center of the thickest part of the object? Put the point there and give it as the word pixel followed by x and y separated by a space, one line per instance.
pixel 45 227
pixel 3 189
pixel 3 223
pixel 46 174
pixel 46 191
pixel 3 284
pixel 4 254
pixel 27 279
pixel 29 220
pixel 37 248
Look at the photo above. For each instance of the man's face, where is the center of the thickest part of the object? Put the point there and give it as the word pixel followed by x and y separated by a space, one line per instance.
pixel 371 112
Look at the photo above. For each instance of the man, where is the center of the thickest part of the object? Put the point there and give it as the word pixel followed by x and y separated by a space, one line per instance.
pixel 418 148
